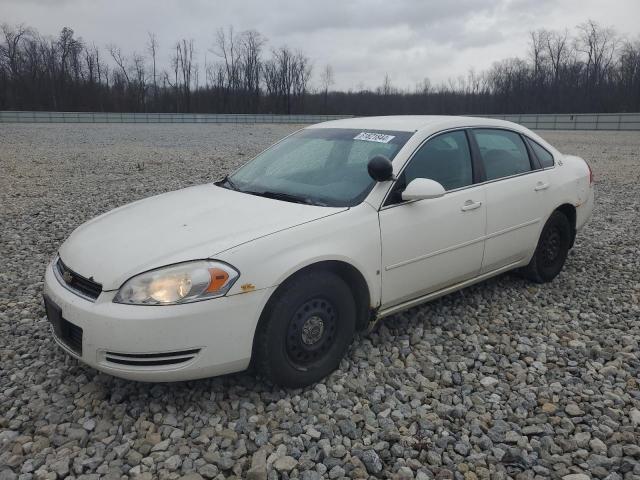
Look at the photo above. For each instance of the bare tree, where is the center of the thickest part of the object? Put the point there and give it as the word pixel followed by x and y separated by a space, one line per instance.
pixel 270 75
pixel 120 61
pixel 630 63
pixel 301 69
pixel 227 47
pixel 140 83
pixel 69 49
pixel 423 87
pixel 387 88
pixel 285 75
pixel 598 44
pixel 184 50
pixel 538 40
pixel 152 48
pixel 251 43
pixel 10 49
pixel 558 49
pixel 326 82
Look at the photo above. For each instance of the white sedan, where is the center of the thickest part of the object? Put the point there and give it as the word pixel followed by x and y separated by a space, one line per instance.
pixel 324 233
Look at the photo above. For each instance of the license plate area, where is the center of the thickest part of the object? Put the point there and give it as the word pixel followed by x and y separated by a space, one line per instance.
pixel 65 331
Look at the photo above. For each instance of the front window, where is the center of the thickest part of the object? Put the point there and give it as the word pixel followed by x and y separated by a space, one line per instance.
pixel 320 166
pixel 445 159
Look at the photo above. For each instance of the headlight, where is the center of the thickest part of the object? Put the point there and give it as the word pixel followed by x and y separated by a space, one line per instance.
pixel 181 283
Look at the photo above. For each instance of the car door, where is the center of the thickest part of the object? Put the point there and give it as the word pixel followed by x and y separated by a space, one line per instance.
pixel 516 198
pixel 433 243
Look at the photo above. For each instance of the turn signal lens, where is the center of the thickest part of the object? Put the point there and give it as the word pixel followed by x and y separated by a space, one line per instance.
pixel 219 278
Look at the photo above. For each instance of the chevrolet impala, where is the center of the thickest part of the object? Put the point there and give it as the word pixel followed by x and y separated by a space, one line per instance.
pixel 331 229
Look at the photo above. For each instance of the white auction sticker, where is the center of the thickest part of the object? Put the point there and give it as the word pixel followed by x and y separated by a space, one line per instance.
pixel 374 137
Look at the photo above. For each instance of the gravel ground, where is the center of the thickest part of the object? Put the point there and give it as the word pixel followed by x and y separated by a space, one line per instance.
pixel 505 379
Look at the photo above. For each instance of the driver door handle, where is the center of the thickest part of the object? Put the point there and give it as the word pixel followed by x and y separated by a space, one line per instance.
pixel 541 186
pixel 470 205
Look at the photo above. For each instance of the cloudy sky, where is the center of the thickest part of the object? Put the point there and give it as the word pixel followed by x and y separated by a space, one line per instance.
pixel 362 39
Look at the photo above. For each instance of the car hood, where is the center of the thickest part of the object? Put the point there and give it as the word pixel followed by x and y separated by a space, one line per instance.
pixel 189 224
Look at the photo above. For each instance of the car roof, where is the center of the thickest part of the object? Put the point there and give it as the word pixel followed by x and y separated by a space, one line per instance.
pixel 414 123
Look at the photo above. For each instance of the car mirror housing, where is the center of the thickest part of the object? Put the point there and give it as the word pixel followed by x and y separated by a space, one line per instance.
pixel 380 168
pixel 422 188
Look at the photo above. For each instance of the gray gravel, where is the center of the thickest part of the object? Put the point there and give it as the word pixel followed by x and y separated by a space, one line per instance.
pixel 503 380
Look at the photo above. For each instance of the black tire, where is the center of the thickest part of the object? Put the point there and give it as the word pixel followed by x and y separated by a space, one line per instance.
pixel 306 330
pixel 552 249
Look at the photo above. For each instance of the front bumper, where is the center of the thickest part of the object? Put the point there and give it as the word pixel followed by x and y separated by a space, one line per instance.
pixel 160 343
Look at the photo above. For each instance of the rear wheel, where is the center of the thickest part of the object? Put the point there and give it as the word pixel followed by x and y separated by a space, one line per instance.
pixel 306 330
pixel 552 249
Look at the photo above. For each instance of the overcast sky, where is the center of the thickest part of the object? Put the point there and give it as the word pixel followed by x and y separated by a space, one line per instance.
pixel 361 39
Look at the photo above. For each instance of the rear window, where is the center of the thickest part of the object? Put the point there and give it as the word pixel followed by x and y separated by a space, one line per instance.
pixel 546 159
pixel 503 153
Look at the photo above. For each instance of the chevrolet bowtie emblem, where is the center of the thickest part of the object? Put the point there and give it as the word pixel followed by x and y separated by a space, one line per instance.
pixel 67 277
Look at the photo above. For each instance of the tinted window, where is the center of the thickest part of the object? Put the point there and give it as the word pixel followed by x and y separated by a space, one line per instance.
pixel 503 153
pixel 445 159
pixel 546 159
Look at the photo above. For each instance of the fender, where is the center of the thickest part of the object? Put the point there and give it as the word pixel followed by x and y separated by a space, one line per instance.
pixel 267 262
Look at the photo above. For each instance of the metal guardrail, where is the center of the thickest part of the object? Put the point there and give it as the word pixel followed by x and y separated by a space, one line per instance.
pixel 560 121
pixel 116 117
pixel 575 121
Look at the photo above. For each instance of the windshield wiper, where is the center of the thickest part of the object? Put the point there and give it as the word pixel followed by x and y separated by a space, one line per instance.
pixel 228 181
pixel 287 197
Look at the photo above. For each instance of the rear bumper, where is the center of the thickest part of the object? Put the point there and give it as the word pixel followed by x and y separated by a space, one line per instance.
pixel 585 209
pixel 160 343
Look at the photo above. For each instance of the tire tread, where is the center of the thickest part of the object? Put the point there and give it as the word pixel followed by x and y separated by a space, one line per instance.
pixel 533 271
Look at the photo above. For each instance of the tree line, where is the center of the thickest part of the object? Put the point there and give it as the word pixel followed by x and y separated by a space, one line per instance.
pixel 591 69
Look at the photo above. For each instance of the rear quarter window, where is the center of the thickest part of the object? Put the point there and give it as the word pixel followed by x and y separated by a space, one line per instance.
pixel 545 157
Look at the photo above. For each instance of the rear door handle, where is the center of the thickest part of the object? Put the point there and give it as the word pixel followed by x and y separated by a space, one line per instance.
pixel 541 186
pixel 470 205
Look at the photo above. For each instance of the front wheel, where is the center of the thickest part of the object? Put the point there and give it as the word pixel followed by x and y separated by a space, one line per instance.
pixel 306 330
pixel 552 250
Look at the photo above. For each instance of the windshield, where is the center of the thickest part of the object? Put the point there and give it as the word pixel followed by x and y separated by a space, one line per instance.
pixel 321 166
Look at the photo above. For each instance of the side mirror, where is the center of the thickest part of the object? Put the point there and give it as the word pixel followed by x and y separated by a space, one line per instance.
pixel 421 188
pixel 380 168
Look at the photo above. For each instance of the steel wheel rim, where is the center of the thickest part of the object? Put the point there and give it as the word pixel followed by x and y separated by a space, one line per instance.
pixel 551 246
pixel 311 332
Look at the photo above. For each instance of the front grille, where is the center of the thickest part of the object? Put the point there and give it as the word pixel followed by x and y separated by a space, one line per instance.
pixel 70 335
pixel 152 359
pixel 77 283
